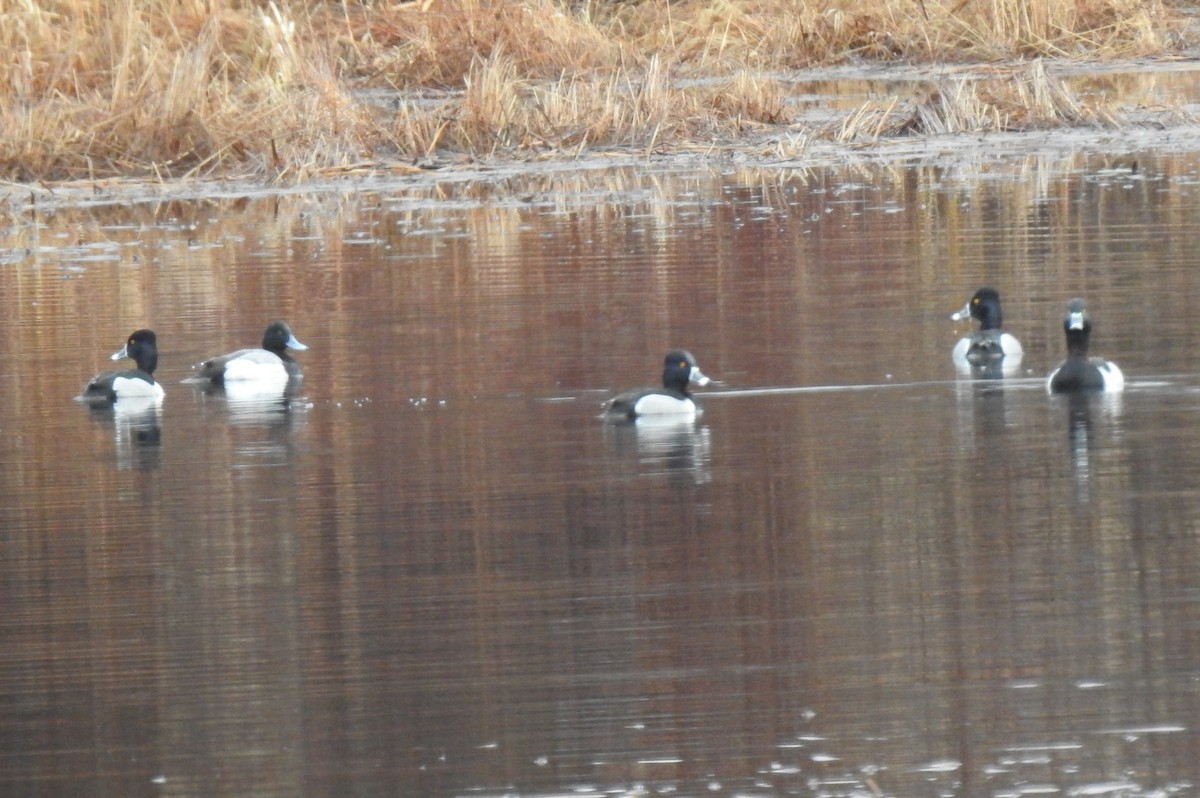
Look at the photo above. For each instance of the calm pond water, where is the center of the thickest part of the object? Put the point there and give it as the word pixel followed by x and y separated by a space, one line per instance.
pixel 437 572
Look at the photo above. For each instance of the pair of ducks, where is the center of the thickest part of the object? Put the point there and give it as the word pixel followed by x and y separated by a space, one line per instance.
pixel 270 363
pixel 990 343
pixel 986 346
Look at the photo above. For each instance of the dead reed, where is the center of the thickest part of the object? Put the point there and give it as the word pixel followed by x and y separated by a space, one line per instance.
pixel 174 88
pixel 1027 99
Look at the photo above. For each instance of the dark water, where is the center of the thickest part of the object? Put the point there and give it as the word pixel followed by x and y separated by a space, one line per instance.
pixel 436 572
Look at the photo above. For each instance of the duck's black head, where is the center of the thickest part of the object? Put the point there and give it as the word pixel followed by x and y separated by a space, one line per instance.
pixel 278 338
pixel 1078 326
pixel 679 369
pixel 142 348
pixel 984 305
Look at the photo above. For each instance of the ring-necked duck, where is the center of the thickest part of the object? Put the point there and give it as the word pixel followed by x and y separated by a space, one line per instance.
pixel 271 362
pixel 989 343
pixel 142 348
pixel 679 370
pixel 1079 373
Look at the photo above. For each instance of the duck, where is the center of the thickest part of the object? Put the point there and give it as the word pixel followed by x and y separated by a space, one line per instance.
pixel 110 386
pixel 270 363
pixel 1080 373
pixel 679 371
pixel 990 343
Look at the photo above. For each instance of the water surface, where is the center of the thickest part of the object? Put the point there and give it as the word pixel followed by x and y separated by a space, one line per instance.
pixel 436 571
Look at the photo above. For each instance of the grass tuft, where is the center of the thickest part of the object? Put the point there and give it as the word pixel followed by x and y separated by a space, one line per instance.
pixel 1028 100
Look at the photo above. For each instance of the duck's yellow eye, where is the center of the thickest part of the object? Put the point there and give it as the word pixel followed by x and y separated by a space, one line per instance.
pixel 975 301
pixel 682 363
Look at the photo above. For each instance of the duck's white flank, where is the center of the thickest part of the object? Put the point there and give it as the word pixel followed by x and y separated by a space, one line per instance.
pixel 135 386
pixel 660 404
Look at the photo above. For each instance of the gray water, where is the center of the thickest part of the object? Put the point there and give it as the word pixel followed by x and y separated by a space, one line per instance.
pixel 435 571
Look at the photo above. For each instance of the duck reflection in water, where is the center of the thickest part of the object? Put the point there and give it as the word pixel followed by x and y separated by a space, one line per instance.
pixel 137 430
pixel 982 412
pixel 1082 409
pixel 252 402
pixel 670 445
pixel 261 415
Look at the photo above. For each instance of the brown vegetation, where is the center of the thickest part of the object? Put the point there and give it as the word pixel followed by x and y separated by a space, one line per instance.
pixel 172 88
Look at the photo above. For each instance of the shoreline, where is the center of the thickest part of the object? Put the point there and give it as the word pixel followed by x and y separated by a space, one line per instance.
pixel 1165 126
pixel 286 93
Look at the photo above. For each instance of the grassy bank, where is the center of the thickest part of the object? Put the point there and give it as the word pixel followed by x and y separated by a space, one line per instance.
pixel 278 91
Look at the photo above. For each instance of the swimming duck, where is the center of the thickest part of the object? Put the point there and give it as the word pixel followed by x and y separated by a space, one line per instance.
pixel 1080 373
pixel 989 343
pixel 142 348
pixel 271 362
pixel 679 370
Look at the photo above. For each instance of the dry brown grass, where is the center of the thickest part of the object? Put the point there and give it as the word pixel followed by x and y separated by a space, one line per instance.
pixel 499 110
pixel 773 34
pixel 170 88
pixel 1027 99
pixel 103 88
